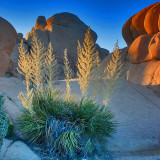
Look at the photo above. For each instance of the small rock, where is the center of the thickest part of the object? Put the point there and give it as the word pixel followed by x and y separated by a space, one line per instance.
pixel 17 151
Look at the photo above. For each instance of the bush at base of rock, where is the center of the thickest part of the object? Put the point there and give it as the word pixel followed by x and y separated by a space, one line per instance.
pixel 66 128
pixel 3 121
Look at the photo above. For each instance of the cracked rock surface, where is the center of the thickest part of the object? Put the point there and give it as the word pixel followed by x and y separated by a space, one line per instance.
pixel 136 109
pixel 16 151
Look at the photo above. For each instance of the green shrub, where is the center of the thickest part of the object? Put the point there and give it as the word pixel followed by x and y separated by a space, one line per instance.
pixel 67 127
pixel 10 129
pixel 3 121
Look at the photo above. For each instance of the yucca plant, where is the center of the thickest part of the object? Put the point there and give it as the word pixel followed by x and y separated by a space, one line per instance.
pixel 3 121
pixel 65 127
pixel 53 118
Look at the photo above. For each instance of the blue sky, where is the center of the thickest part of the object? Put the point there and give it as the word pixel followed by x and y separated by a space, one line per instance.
pixel 106 17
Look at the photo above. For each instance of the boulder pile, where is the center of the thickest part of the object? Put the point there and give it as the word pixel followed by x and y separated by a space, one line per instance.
pixel 63 30
pixel 142 34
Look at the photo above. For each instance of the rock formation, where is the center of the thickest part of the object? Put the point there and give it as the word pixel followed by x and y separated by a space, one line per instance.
pixel 8 37
pixel 14 150
pixel 63 31
pixel 142 34
pixel 144 22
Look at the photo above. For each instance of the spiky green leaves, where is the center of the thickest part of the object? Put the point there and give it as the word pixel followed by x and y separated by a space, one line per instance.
pixel 66 125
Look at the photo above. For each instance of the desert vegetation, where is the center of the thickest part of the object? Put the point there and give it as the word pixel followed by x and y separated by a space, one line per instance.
pixel 3 121
pixel 63 126
pixel 103 82
pixel 88 60
pixel 68 74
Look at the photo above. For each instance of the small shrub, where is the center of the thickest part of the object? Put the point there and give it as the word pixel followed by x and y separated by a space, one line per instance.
pixel 3 121
pixel 67 127
pixel 10 129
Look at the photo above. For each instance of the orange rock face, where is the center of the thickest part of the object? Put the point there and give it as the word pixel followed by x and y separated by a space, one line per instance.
pixel 144 22
pixel 151 19
pixel 142 34
pixel 8 38
pixel 145 48
pixel 146 73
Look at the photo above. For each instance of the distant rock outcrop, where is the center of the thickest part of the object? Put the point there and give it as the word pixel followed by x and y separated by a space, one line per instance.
pixel 8 37
pixel 63 31
pixel 142 34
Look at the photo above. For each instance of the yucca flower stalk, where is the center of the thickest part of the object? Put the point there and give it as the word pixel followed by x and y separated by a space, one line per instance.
pixel 112 73
pixel 88 60
pixel 68 74
pixel 50 66
pixel 25 63
pixel 38 61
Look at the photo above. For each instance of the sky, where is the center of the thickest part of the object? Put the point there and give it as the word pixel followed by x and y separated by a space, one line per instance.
pixel 105 17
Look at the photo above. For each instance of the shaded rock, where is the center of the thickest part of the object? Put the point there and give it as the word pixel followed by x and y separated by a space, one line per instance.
pixel 133 31
pixel 63 31
pixel 146 73
pixel 147 155
pixel 17 151
pixel 42 36
pixel 10 88
pixel 126 32
pixel 103 52
pixel 6 144
pixel 41 23
pixel 106 61
pixel 8 38
pixel 12 71
pixel 19 37
pixel 137 112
